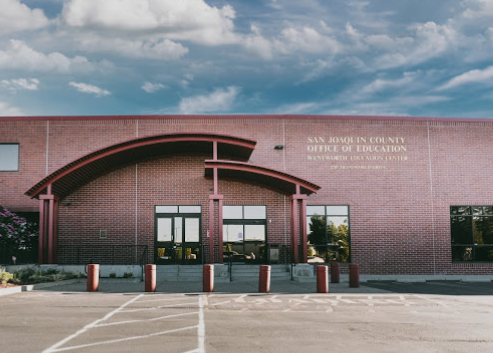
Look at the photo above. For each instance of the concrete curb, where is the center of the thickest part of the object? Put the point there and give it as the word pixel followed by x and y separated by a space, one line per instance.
pixel 30 287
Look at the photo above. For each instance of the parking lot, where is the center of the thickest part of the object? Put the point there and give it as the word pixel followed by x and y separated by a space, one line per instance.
pixel 377 317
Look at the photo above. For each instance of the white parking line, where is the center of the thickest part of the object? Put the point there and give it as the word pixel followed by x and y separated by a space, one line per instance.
pixel 91 325
pixel 123 339
pixel 155 319
pixel 59 346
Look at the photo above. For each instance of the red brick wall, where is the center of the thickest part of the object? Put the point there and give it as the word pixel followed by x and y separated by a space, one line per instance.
pixel 399 214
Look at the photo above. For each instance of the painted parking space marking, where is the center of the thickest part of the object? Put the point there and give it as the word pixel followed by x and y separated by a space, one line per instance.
pixel 194 323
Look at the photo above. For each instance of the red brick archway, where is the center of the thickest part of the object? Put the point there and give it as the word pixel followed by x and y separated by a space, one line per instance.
pixel 228 153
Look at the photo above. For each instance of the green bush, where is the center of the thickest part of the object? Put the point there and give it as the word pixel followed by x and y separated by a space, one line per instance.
pixel 5 277
pixel 112 275
pixel 128 275
pixel 31 276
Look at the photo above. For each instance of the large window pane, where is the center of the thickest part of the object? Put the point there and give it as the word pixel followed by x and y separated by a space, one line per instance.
pixel 315 210
pixel 460 210
pixel 484 253
pixel 232 212
pixel 255 212
pixel 9 157
pixel 164 229
pixel 166 209
pixel 190 209
pixel 483 232
pixel 254 232
pixel 232 233
pixel 462 253
pixel 192 230
pixel 337 210
pixel 461 228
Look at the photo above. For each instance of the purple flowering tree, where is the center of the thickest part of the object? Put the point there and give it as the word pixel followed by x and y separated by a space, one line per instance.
pixel 16 233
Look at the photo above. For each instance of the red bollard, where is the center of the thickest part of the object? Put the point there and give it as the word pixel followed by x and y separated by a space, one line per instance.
pixel 150 283
pixel 264 279
pixel 208 278
pixel 335 272
pixel 92 278
pixel 354 275
pixel 322 279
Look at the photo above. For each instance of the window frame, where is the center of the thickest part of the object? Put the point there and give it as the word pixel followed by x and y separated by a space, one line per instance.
pixel 473 245
pixel 326 216
pixel 18 156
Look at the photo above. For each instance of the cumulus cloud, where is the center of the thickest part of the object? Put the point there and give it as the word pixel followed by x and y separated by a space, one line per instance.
pixel 381 84
pixel 191 20
pixel 89 89
pixel 472 76
pixel 19 56
pixel 430 40
pixel 8 110
pixel 306 39
pixel 219 100
pixel 30 84
pixel 15 16
pixel 152 87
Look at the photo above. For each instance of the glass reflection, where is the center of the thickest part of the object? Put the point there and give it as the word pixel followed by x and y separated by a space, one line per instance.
pixel 483 230
pixel 164 229
pixel 461 229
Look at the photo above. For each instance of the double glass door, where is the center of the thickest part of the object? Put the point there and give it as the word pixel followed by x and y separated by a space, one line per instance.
pixel 178 239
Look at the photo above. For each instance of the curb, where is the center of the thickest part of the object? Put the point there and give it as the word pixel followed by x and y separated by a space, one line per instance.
pixel 30 287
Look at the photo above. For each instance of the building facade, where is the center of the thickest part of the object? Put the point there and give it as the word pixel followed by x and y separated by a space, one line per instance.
pixel 395 195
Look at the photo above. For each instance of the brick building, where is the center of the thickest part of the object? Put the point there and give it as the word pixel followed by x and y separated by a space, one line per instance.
pixel 395 195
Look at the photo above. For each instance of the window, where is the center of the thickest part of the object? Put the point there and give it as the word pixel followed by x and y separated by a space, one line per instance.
pixel 178 209
pixel 471 229
pixel 9 157
pixel 328 233
pixel 244 233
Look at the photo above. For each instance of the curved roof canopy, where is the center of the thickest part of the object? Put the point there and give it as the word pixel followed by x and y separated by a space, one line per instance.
pixel 92 165
pixel 270 178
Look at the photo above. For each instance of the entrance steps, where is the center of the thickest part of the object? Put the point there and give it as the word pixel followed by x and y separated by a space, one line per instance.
pixel 240 272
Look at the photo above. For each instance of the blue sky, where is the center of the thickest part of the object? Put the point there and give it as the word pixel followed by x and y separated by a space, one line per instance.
pixel 112 57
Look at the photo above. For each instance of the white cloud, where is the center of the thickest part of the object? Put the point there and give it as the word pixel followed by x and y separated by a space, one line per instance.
pixel 152 87
pixel 15 16
pixel 219 100
pixel 90 89
pixel 19 56
pixel 306 39
pixel 381 84
pixel 430 40
pixel 148 48
pixel 257 44
pixel 8 110
pixel 473 76
pixel 30 84
pixel 191 20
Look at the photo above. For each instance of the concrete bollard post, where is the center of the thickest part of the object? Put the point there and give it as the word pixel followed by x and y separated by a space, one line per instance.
pixel 335 272
pixel 92 277
pixel 264 279
pixel 322 279
pixel 150 281
pixel 208 278
pixel 353 275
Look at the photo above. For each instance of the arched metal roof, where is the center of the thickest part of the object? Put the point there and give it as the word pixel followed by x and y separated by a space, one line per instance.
pixel 92 165
pixel 280 181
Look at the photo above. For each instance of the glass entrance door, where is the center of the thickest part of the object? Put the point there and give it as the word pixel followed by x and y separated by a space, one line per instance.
pixel 178 239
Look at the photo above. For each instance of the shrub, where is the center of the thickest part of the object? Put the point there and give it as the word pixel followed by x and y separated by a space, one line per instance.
pixel 30 276
pixel 128 275
pixel 5 277
pixel 16 232
pixel 112 275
